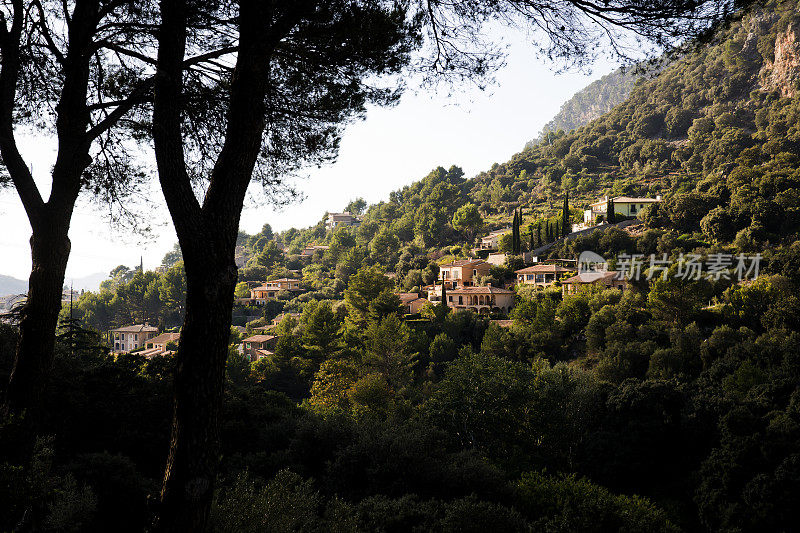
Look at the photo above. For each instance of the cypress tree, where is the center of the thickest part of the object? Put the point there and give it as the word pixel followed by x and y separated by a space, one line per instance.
pixel 514 232
pixel 538 234
pixel 515 236
pixel 565 216
pixel 610 215
pixel 533 241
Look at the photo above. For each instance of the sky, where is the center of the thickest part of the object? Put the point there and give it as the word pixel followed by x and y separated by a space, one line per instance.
pixel 391 148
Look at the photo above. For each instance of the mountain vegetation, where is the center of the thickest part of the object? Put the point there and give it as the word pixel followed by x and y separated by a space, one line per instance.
pixel 672 405
pixel 594 100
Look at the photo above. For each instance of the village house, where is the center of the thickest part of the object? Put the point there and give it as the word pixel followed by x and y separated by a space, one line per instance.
pixel 500 259
pixel 278 319
pixel 543 275
pixel 158 345
pixel 492 240
pixel 482 300
pixel 605 280
pixel 335 220
pixel 309 251
pixel 129 338
pixel 463 273
pixel 625 206
pixel 411 302
pixel 269 291
pixel 258 346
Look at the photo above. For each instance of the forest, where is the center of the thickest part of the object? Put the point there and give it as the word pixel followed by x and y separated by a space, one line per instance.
pixel 671 406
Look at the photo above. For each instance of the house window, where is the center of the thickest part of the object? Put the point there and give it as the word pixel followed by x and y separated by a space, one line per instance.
pixel 450 299
pixel 247 345
pixel 474 271
pixel 460 300
pixel 136 336
pixel 122 337
pixel 116 346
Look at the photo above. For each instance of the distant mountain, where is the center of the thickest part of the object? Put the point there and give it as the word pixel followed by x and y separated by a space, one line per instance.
pixel 591 102
pixel 89 283
pixel 9 285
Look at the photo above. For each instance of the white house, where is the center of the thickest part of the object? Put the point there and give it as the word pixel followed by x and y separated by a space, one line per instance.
pixel 623 206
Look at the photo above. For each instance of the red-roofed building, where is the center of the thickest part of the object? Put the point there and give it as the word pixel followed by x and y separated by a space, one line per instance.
pixel 481 299
pixel 463 273
pixel 129 338
pixel 542 275
pixel 258 346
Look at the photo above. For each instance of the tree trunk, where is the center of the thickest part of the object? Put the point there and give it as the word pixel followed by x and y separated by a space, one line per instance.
pixel 49 255
pixel 188 484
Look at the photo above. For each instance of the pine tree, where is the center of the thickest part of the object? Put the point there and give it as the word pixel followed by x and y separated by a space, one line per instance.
pixel 565 216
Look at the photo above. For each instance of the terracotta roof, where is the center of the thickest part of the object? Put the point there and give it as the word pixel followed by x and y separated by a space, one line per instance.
pixel 464 262
pixel 480 290
pixel 282 279
pixel 589 277
pixel 548 269
pixel 406 297
pixel 259 338
pixel 264 352
pixel 164 338
pixel 136 328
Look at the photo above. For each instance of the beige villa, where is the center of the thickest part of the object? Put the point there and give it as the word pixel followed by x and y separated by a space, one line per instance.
pixel 542 275
pixel 482 300
pixel 129 338
pixel 335 220
pixel 269 291
pixel 492 240
pixel 463 273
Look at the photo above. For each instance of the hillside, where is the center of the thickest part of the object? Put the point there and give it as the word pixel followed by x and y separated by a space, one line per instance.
pixel 594 100
pixel 715 132
pixel 664 403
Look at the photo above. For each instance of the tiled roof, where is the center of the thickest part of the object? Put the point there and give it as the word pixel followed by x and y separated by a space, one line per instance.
pixel 259 338
pixel 541 269
pixel 480 290
pixel 589 277
pixel 406 297
pixel 164 338
pixel 136 328
pixel 464 262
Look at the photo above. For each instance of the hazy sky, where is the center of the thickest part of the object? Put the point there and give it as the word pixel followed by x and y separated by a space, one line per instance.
pixel 391 148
